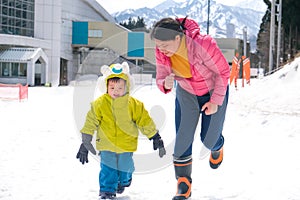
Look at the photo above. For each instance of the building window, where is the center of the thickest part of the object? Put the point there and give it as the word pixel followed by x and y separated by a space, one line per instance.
pixel 13 69
pixel 95 33
pixel 13 14
pixel 23 69
pixel 5 69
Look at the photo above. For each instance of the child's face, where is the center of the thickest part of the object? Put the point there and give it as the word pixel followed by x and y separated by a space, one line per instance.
pixel 116 88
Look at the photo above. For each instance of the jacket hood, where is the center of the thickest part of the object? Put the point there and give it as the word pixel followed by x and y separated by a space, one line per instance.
pixel 115 70
pixel 191 27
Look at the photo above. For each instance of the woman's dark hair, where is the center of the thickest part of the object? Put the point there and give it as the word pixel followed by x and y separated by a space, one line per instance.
pixel 167 29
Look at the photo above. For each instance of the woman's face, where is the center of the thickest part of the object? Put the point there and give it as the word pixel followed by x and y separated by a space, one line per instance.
pixel 169 47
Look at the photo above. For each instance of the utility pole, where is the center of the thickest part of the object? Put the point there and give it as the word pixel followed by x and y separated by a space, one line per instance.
pixel 245 40
pixel 208 11
pixel 272 31
pixel 279 7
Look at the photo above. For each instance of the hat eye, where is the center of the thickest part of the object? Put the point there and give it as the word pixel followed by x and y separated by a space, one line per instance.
pixel 117 71
pixel 116 68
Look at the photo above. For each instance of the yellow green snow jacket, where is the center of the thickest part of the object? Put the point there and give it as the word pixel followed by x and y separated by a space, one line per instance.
pixel 117 122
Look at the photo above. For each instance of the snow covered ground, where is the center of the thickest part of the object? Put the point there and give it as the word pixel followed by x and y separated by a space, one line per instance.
pixel 40 139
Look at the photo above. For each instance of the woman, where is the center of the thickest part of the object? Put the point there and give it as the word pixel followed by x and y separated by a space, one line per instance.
pixel 202 72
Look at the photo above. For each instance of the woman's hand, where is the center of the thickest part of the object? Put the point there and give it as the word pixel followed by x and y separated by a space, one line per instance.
pixel 209 108
pixel 169 81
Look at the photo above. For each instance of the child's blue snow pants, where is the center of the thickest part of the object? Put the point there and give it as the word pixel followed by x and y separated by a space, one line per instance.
pixel 187 113
pixel 116 169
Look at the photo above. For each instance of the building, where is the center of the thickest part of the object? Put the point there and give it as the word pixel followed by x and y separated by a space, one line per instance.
pixel 230 46
pixel 36 39
pixel 57 41
pixel 99 43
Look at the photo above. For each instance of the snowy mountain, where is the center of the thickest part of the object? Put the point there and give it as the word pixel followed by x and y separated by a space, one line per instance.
pixel 220 17
pixel 258 5
pixel 162 6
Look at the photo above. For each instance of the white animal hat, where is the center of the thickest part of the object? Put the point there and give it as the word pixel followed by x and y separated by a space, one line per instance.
pixel 115 70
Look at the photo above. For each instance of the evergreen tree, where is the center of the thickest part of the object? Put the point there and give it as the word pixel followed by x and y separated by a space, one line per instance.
pixel 133 25
pixel 291 24
pixel 289 34
pixel 263 38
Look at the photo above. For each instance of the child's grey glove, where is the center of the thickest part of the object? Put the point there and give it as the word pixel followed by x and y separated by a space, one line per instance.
pixel 85 147
pixel 82 154
pixel 87 141
pixel 158 143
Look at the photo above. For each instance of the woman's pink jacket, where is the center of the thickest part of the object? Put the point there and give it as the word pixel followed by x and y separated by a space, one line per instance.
pixel 209 68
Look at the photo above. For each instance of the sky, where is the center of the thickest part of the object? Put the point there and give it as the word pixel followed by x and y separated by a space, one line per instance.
pixel 120 5
pixel 40 138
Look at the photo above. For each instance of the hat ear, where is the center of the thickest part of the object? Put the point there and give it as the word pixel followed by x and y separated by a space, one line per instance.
pixel 105 70
pixel 125 67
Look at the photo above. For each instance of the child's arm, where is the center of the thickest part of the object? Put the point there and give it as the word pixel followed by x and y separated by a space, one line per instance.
pixel 87 132
pixel 91 121
pixel 147 126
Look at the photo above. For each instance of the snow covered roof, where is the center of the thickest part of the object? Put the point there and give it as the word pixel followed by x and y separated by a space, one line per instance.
pixel 18 54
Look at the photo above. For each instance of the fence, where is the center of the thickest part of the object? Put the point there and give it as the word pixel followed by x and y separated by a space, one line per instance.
pixel 13 92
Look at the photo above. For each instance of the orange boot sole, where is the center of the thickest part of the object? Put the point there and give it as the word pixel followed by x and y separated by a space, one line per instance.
pixel 216 160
